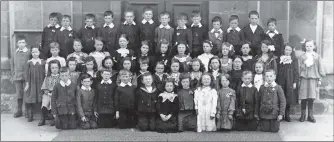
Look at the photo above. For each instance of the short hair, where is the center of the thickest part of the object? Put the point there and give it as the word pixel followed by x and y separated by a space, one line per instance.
pixel 270 20
pixel 246 72
pixel 195 13
pixel 173 60
pixel 144 60
pixel 254 12
pixel 63 69
pixel 108 13
pixel 145 75
pixel 90 16
pixel 266 42
pixel 163 14
pixel 129 11
pixel 182 16
pixel 233 17
pixel 246 42
pixel 306 41
pixel 104 70
pixel 164 41
pixel 124 72
pixel 66 17
pixel 160 63
pixel 147 8
pixel 227 76
pixel 184 76
pixel 105 59
pixel 217 19
pixel 144 42
pixel 270 70
pixel 124 36
pixel 70 59
pixel 54 45
pixel 77 40
pixel 21 37
pixel 237 57
pixel 169 80
pixel 85 76
pixel 54 15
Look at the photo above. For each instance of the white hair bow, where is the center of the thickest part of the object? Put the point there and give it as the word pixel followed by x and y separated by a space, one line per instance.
pixel 271 47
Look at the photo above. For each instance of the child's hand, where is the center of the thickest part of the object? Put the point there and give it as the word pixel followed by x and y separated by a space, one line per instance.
pixel 46 92
pixel 212 117
pixel 191 92
pixel 319 82
pixel 168 117
pixel 83 119
pixel 279 118
pixel 163 117
pixel 197 111
pixel 244 111
pixel 26 88
pixel 96 114
pixel 54 116
pixel 294 85
pixel 117 114
pixel 230 117
pixel 217 116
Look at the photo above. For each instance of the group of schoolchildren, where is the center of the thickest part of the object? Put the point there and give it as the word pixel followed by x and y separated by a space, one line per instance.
pixel 158 78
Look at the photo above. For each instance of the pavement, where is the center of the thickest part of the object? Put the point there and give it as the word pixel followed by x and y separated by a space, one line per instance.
pixel 18 129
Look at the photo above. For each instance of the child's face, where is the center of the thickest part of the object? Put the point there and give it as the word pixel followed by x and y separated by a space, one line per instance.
pixel 182 22
pixel 216 25
pixel 89 22
pixel 169 86
pixel 106 75
pixel 254 19
pixel 206 80
pixel 127 64
pixel 54 68
pixel 196 20
pixel 163 48
pixel 270 77
pixel 144 49
pixel 72 65
pixel 175 67
pixel 123 42
pixel 98 45
pixel 77 46
pixel 159 68
pixel 86 82
pixel 148 80
pixel 35 53
pixel 224 81
pixel 185 83
pixel 181 48
pixel 21 44
pixel 65 22
pixel 143 67
pixel 234 23
pixel 207 48
pixel 129 16
pixel 264 48
pixel 271 26
pixel 237 63
pixel 108 63
pixel 53 21
pixel 287 50
pixel 148 15
pixel 125 77
pixel 309 46
pixel 196 66
pixel 164 19
pixel 245 49
pixel 225 50
pixel 64 76
pixel 90 65
pixel 54 51
pixel 259 68
pixel 214 64
pixel 247 79
pixel 108 19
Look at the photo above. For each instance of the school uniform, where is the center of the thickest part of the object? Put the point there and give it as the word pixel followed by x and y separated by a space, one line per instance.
pixel 168 104
pixel 255 35
pixel 233 36
pixel 159 81
pixel 187 114
pixel 48 36
pixel 163 32
pixel 63 103
pixel 109 35
pixel 199 34
pixel 86 106
pixel 113 77
pixel 247 63
pixel 132 32
pixel 87 36
pixel 277 40
pixel 271 104
pixel 236 76
pixel 64 38
pixel 217 38
pixel 147 29
pixel 182 34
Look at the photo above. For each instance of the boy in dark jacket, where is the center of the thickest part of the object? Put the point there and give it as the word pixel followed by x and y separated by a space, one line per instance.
pixel 199 33
pixel 65 37
pixel 275 37
pixel 88 34
pixel 49 35
pixel 131 30
pixel 160 76
pixel 147 29
pixel 109 33
pixel 182 34
pixel 233 35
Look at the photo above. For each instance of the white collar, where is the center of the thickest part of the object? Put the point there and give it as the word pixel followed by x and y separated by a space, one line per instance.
pixel 56 26
pixel 93 27
pixel 133 23
pixel 111 25
pixel 143 72
pixel 266 84
pixel 253 26
pixel 68 28
pixel 184 27
pixel 276 32
pixel 108 82
pixel 199 25
pixel 215 70
pixel 162 26
pixel 86 89
pixel 213 30
pixel 250 85
pixel 34 61
pixel 230 28
pixel 67 83
pixel 168 96
pixel 123 84
pixel 25 49
pixel 144 21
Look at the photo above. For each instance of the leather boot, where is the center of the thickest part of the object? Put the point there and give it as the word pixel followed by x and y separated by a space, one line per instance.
pixel 18 113
pixel 30 115
pixel 310 116
pixel 287 117
pixel 303 116
pixel 43 115
pixel 26 113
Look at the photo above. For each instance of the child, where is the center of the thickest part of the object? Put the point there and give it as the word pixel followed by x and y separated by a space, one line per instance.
pixel 233 35
pixel 91 69
pixel 311 72
pixel 216 35
pixel 236 73
pixel 196 71
pixel 107 64
pixel 160 76
pixel 130 29
pixel 49 35
pixel 206 56
pixel 253 33
pixel 34 75
pixel 146 98
pixel 164 31
pixel 65 37
pixel 88 33
pixel 271 104
pixel 205 104
pixel 99 54
pixel 51 79
pixel 123 51
pixel 78 54
pixel 175 71
pixel 144 64
pixel 183 56
pixel 259 75
pixel 54 49
pixel 167 108
pixel 163 56
pixel 275 37
pixel 199 34
pixel 247 60
pixel 287 78
pixel 182 34
pixel 226 57
pixel 145 53
pixel 87 103
pixel 225 104
pixel 147 28
pixel 127 64
pixel 74 75
pixel 215 70
pixel 105 91
pixel 63 101
pixel 21 57
pixel 267 56
pixel 108 32
pixel 246 104
pixel 125 101
pixel 186 116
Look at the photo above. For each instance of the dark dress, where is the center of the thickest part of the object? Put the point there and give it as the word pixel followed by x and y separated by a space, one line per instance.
pixel 119 57
pixel 35 74
pixel 247 64
pixel 159 82
pixel 235 79
pixel 167 107
pixel 187 115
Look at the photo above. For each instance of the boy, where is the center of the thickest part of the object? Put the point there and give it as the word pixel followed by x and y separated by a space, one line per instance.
pixel 125 101
pixel 65 37
pixel 163 55
pixel 160 77
pixel 216 35
pixel 253 33
pixel 233 35
pixel 199 34
pixel 271 103
pixel 131 29
pixel 105 91
pixel 88 33
pixel 146 100
pixel 247 60
pixel 275 37
pixel 63 101
pixel 109 32
pixel 21 57
pixel 49 35
pixel 147 28
pixel 78 54
pixel 86 103
pixel 143 68
pixel 164 31
pixel 246 100
pixel 182 33
pixel 54 49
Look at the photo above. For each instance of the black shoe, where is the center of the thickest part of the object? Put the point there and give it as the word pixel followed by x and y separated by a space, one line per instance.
pixel 30 116
pixel 52 123
pixel 41 122
pixel 18 114
pixel 287 118
pixel 310 116
pixel 303 116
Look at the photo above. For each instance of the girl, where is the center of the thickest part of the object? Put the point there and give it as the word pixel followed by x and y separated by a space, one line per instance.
pixel 34 76
pixel 160 76
pixel 225 104
pixel 215 70
pixel 226 57
pixel 107 64
pixel 287 78
pixel 72 64
pixel 311 71
pixel 78 54
pixel 247 60
pixel 197 69
pixel 144 52
pixel 182 56
pixel 99 54
pixel 91 69
pixel 174 73
pixel 236 73
pixel 205 104
pixel 206 56
pixel 259 75
pixel 167 109
pixel 127 64
pixel 163 55
pixel 267 56
pixel 49 82
pixel 123 51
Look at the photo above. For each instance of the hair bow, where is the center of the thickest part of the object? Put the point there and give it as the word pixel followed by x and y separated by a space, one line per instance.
pixel 271 47
pixel 303 41
pixel 231 47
